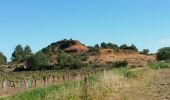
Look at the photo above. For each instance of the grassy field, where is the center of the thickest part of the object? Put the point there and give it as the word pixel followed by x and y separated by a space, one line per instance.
pixel 106 85
pixel 96 86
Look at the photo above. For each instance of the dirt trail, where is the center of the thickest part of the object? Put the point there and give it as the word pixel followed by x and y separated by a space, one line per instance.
pixel 159 88
pixel 154 85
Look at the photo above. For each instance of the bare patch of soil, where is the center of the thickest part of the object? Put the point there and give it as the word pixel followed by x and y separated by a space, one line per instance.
pixel 153 85
pixel 159 88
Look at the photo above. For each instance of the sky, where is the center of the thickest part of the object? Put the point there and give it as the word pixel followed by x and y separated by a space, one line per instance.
pixel 38 23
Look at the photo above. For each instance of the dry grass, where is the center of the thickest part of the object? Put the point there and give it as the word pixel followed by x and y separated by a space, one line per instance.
pixel 106 85
pixel 99 87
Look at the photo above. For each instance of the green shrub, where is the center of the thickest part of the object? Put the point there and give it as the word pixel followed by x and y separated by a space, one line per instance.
pixel 3 59
pixel 159 65
pixel 104 45
pixel 145 51
pixel 163 54
pixel 126 72
pixel 112 46
pixel 126 47
pixel 84 58
pixel 123 63
pixel 94 49
pixel 67 61
pixel 37 61
pixel 109 45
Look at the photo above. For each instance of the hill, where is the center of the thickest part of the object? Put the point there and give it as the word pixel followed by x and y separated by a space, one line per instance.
pixel 69 53
pixel 103 56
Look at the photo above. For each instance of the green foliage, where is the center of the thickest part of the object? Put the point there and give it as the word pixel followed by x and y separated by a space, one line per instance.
pixel 3 59
pixel 163 54
pixel 84 57
pixel 109 45
pixel 126 72
pixel 104 45
pixel 47 51
pixel 118 64
pixel 97 46
pixel 27 52
pixel 59 90
pixel 145 51
pixel 21 54
pixel 62 44
pixel 112 46
pixel 93 50
pixel 37 61
pixel 17 55
pixel 159 65
pixel 126 47
pixel 67 61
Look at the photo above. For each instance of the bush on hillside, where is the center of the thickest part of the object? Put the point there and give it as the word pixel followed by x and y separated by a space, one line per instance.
pixel 112 46
pixel 118 64
pixel 37 61
pixel 126 47
pixel 67 61
pixel 84 57
pixel 47 51
pixel 163 54
pixel 62 44
pixel 145 51
pixel 93 50
pixel 109 45
pixel 97 46
pixel 104 45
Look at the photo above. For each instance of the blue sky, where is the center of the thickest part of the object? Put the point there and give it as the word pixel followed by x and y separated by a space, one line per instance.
pixel 37 23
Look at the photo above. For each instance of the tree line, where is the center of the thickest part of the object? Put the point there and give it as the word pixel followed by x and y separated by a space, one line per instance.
pixel 115 46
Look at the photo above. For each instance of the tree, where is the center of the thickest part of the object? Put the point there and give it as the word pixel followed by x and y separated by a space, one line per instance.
pixel 47 51
pixel 126 47
pixel 133 47
pixel 104 45
pixel 17 55
pixel 27 52
pixel 97 46
pixel 145 51
pixel 3 59
pixel 67 61
pixel 112 46
pixel 21 54
pixel 93 49
pixel 37 61
pixel 163 53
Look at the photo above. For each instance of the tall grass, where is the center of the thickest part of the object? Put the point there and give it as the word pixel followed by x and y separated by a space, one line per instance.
pixel 159 65
pixel 66 91
pixel 97 87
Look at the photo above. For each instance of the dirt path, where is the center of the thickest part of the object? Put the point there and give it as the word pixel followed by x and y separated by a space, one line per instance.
pixel 159 88
pixel 153 85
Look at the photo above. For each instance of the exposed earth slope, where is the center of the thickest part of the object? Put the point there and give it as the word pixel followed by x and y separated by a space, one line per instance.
pixel 134 58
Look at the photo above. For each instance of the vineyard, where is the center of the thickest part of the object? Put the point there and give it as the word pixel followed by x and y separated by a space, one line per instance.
pixel 22 81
